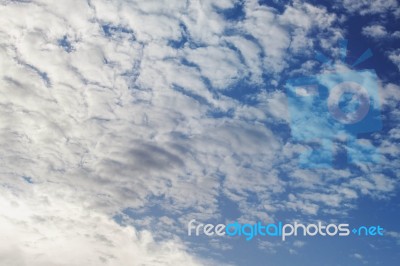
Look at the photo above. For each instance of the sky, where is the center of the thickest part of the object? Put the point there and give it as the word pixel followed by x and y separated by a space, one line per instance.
pixel 121 121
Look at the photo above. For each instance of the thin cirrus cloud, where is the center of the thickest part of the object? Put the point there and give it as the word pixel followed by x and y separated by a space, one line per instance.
pixel 107 105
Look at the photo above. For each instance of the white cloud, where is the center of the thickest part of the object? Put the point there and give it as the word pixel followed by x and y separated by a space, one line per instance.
pixel 220 65
pixel 366 7
pixel 394 235
pixel 299 244
pixel 390 95
pixel 394 56
pixel 275 104
pixel 374 31
pixel 377 185
pixel 122 117
pixel 269 246
pixel 379 32
pixel 357 256
pixel 396 34
pixel 40 224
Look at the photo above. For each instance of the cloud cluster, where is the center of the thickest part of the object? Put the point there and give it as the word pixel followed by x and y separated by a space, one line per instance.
pixel 53 225
pixel 394 56
pixel 114 105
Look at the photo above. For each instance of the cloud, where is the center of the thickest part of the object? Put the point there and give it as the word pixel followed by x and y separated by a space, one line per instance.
pixel 379 33
pixel 357 256
pixel 394 235
pixel 299 244
pixel 368 7
pixel 390 96
pixel 268 247
pixel 394 56
pixel 43 223
pixel 396 34
pixel 131 105
pixel 374 31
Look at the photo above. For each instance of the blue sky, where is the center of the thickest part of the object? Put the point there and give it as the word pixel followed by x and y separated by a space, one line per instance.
pixel 121 121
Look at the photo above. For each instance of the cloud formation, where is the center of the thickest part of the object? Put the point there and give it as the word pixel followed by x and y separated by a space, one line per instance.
pixel 114 105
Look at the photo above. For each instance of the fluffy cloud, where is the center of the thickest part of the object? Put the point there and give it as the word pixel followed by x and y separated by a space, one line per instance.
pixel 375 31
pixel 128 104
pixel 41 224
pixel 394 56
pixel 366 7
